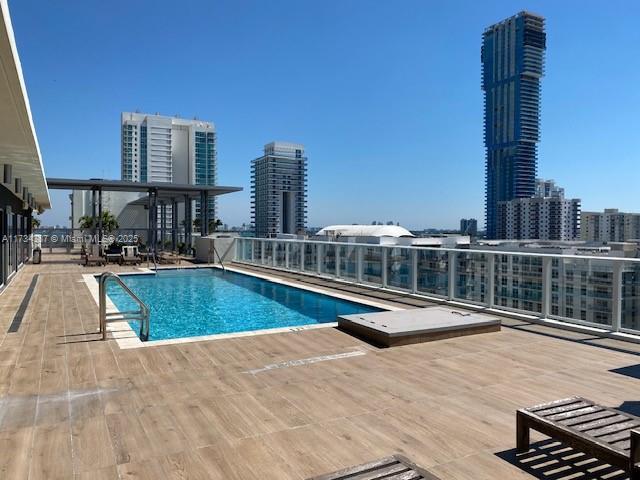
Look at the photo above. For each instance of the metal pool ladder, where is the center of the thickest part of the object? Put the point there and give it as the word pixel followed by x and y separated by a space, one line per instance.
pixel 141 315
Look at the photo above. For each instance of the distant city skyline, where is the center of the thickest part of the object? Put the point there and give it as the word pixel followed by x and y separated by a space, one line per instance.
pixel 390 111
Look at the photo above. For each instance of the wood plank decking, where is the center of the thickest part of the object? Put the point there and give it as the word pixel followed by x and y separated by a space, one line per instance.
pixel 72 406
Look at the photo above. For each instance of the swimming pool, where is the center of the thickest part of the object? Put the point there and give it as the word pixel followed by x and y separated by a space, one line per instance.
pixel 207 301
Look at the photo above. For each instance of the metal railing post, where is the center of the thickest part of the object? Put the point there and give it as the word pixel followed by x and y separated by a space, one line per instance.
pixel 414 270
pixel 384 262
pixel 616 310
pixel 452 257
pixel 286 255
pixel 546 287
pixel 274 254
pixel 337 257
pixel 359 263
pixel 319 252
pixel 491 280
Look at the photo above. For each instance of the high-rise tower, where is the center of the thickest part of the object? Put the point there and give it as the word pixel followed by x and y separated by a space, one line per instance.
pixel 512 65
pixel 279 190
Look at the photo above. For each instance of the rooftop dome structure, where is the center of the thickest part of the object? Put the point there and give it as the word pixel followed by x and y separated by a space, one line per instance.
pixel 364 231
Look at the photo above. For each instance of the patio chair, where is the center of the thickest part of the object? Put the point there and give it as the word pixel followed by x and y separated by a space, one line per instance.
pixel 130 255
pixel 607 434
pixel 94 256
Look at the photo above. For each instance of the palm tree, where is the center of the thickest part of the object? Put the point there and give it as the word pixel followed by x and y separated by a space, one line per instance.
pixel 109 222
pixel 35 223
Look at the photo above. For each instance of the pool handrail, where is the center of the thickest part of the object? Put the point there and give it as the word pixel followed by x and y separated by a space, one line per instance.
pixel 141 315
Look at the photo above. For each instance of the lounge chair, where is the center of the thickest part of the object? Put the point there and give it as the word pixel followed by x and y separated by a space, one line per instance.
pixel 605 433
pixel 393 467
pixel 130 255
pixel 169 257
pixel 94 256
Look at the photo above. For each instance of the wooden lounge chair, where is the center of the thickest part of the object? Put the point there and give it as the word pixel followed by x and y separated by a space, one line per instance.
pixel 169 257
pixel 391 468
pixel 605 433
pixel 130 255
pixel 93 256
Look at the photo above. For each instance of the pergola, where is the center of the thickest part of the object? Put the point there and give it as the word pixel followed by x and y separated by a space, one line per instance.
pixel 158 194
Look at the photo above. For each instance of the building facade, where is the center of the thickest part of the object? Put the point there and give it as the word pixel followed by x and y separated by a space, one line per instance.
pixel 23 187
pixel 512 66
pixel 158 148
pixel 469 226
pixel 547 215
pixel 279 190
pixel 610 226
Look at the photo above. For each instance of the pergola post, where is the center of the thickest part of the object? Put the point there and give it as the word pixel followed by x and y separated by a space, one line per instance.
pixel 100 215
pixel 204 213
pixel 93 216
pixel 187 221
pixel 174 224
pixel 153 221
pixel 163 223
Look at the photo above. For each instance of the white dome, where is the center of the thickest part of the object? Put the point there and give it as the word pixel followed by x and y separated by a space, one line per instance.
pixel 364 231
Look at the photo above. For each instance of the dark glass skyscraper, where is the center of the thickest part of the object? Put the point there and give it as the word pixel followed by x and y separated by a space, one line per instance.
pixel 512 65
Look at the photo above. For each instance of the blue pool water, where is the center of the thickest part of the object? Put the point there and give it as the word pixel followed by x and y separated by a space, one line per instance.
pixel 193 302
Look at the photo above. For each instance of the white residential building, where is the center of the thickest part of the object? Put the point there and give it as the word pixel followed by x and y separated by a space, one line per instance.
pixel 609 226
pixel 545 216
pixel 157 148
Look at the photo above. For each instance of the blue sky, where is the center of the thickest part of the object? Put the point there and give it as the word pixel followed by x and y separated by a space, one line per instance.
pixel 385 95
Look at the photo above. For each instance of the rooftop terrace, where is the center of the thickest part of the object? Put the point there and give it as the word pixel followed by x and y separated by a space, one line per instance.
pixel 71 404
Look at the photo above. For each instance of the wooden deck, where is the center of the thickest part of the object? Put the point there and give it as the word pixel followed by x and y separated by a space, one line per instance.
pixel 71 405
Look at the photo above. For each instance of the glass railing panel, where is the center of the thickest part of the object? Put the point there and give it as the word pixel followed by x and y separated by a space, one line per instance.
pixel 294 255
pixel 630 311
pixel 268 253
pixel 246 250
pixel 518 282
pixel 399 268
pixel 433 272
pixel 328 265
pixel 310 257
pixel 471 277
pixel 257 251
pixel 372 265
pixel 280 253
pixel 582 290
pixel 348 262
